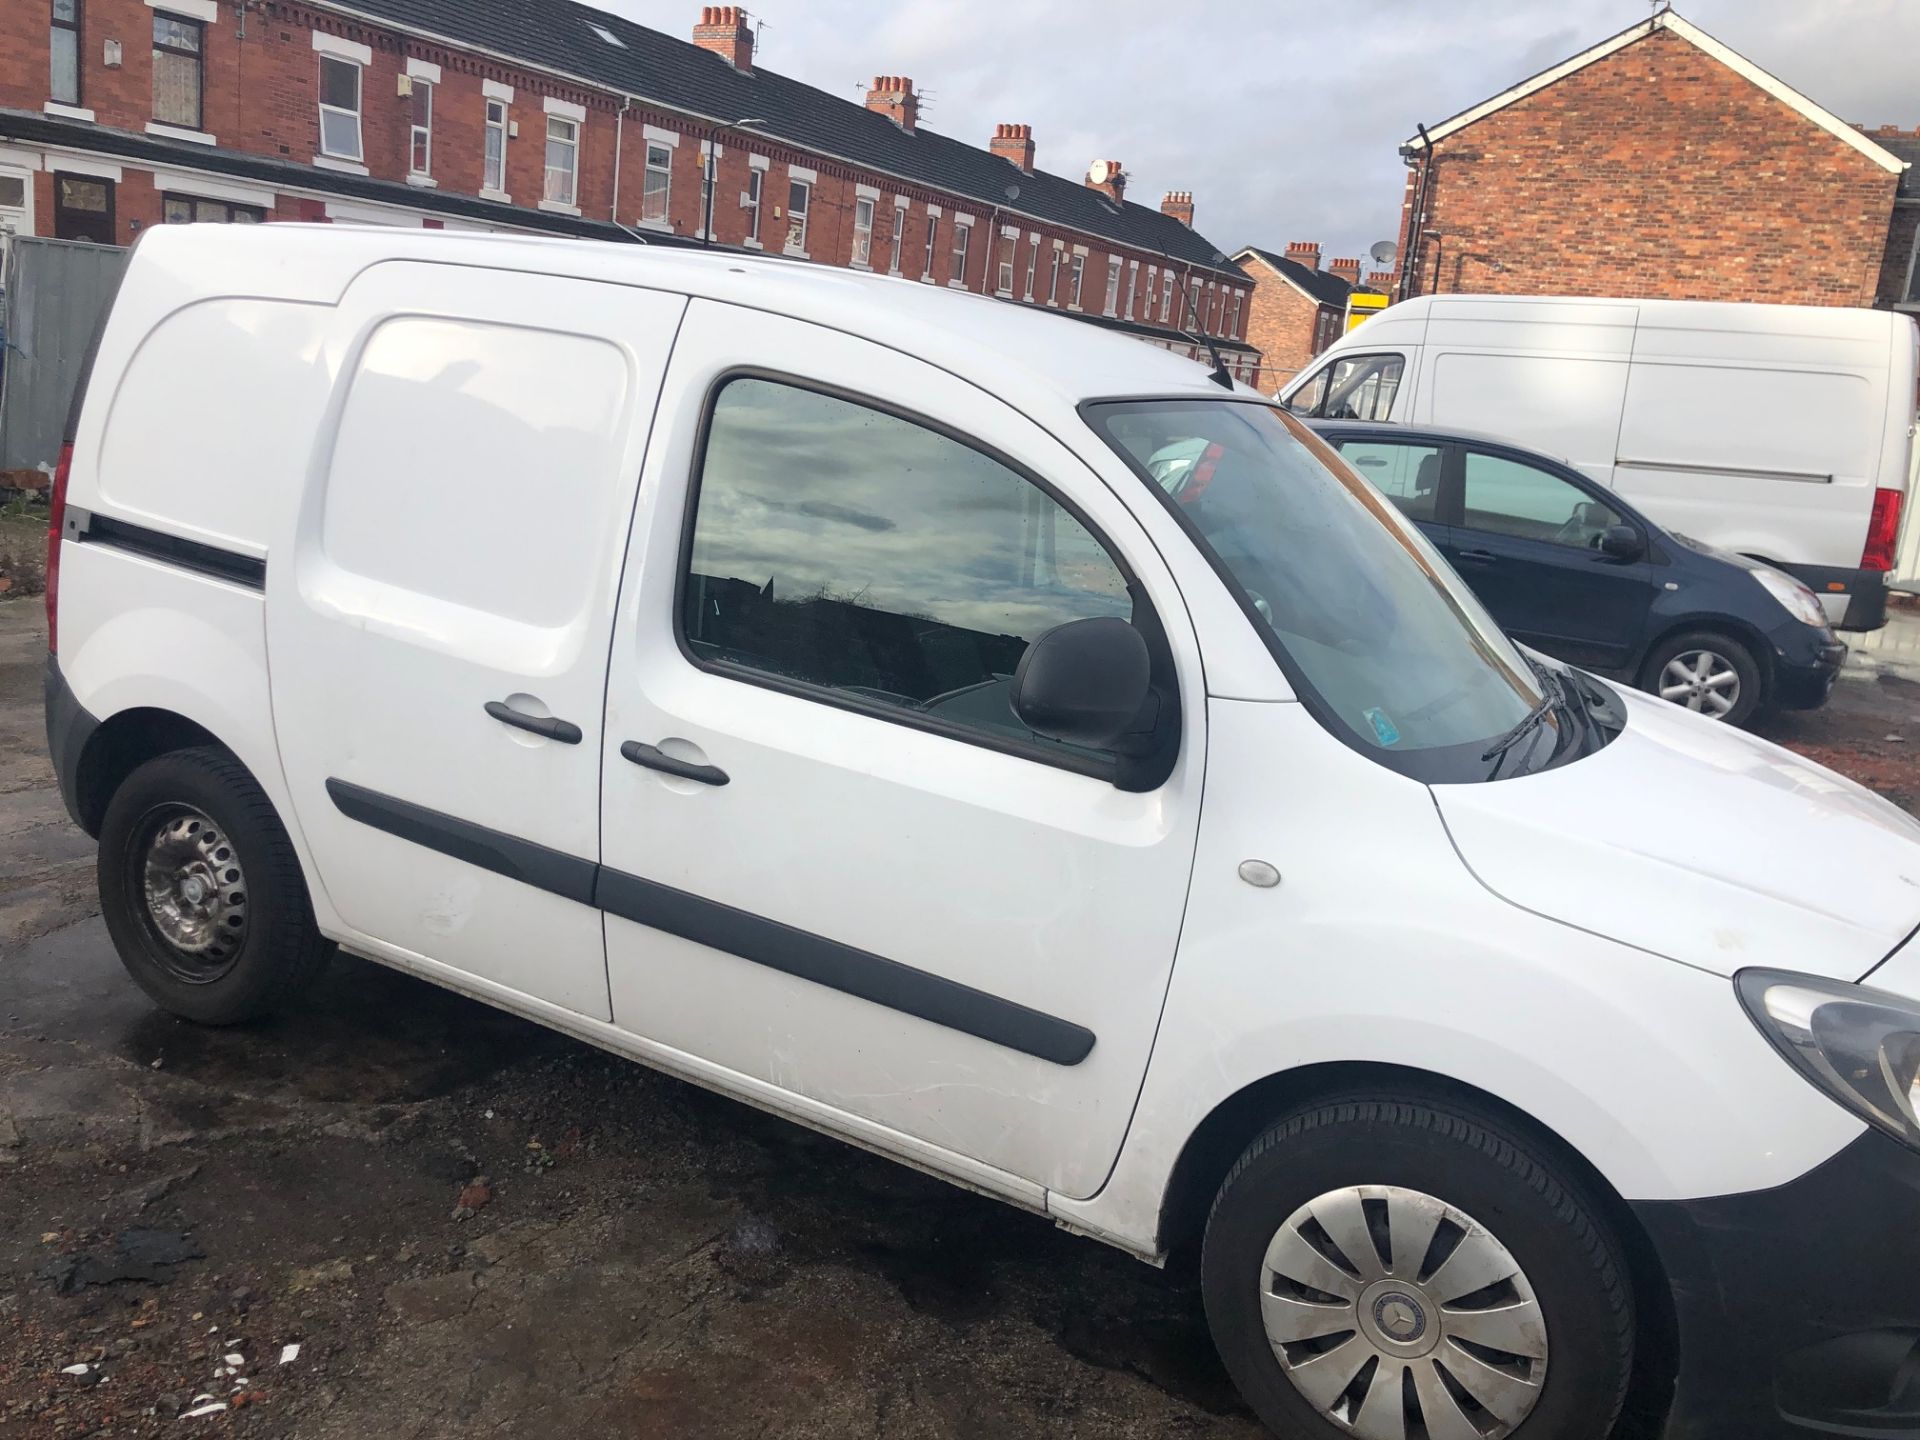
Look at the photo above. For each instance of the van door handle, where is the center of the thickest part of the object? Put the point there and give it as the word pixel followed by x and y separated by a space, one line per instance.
pixel 1478 557
pixel 565 731
pixel 653 758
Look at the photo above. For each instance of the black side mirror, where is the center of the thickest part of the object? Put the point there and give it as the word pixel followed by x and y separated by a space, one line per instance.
pixel 1621 542
pixel 1089 682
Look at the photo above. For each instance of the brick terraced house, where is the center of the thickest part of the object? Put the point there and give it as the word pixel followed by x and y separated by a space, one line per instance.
pixel 1297 309
pixel 545 115
pixel 1658 163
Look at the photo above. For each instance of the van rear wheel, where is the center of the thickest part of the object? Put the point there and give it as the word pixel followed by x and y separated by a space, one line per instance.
pixel 202 893
pixel 1711 674
pixel 1386 1269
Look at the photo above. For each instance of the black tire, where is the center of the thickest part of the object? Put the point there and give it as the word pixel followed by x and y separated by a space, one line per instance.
pixel 1754 700
pixel 206 795
pixel 1529 1203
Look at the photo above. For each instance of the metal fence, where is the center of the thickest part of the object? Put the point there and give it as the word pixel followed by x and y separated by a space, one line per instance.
pixel 56 292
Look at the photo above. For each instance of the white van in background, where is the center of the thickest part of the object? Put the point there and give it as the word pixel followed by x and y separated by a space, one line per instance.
pixel 1783 432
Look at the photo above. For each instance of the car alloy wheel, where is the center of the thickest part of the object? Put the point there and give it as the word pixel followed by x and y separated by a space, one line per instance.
pixel 1396 1314
pixel 1703 681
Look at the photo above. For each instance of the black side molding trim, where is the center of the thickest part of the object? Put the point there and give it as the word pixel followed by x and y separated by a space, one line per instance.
pixel 197 556
pixel 754 938
pixel 558 873
pixel 842 967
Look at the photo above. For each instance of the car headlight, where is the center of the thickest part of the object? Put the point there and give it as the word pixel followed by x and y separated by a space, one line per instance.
pixel 1861 1046
pixel 1796 599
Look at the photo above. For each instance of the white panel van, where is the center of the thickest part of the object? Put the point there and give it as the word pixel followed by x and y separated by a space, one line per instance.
pixel 991 741
pixel 1781 432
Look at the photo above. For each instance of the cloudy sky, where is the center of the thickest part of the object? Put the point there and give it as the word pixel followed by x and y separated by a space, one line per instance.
pixel 1284 117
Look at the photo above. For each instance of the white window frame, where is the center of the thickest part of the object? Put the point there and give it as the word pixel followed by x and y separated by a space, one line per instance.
pixel 933 241
pixel 754 198
pixel 657 181
pixel 1033 264
pixel 1112 300
pixel 1167 283
pixel 359 153
pixel 416 132
pixel 1053 276
pixel 792 246
pixel 900 206
pixel 1233 318
pixel 867 206
pixel 571 202
pixel 16 220
pixel 1133 285
pixel 961 251
pixel 1078 277
pixel 496 119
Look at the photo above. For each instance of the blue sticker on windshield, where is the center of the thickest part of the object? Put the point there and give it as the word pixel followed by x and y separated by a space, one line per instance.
pixel 1384 729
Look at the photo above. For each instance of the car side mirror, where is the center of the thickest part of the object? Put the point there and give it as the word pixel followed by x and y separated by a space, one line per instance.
pixel 1089 682
pixel 1622 542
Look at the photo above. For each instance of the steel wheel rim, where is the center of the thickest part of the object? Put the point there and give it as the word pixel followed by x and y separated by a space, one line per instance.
pixel 193 892
pixel 1395 1314
pixel 1704 681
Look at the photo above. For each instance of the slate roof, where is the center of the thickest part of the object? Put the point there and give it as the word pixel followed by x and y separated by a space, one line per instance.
pixel 560 35
pixel 1322 285
pixel 1907 148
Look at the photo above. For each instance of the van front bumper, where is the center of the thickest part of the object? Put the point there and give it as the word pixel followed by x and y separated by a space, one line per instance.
pixel 1798 1308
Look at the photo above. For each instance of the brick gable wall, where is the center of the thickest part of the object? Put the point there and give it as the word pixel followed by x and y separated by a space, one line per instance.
pixel 1282 325
pixel 1654 171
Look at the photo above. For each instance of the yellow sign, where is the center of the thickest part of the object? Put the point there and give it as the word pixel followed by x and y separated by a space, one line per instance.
pixel 1362 306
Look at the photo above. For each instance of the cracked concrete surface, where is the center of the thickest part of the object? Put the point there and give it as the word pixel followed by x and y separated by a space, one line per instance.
pixel 649 1260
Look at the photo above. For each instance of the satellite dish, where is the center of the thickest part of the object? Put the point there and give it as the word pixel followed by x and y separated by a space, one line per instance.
pixel 1099 171
pixel 1384 253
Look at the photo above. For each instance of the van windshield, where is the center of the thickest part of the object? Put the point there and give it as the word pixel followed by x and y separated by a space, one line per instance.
pixel 1378 635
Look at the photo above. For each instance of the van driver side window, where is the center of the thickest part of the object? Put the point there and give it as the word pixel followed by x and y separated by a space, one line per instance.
pixel 850 552
pixel 1355 387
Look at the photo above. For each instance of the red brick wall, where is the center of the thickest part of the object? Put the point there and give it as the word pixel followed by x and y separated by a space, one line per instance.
pixel 1281 326
pixel 1655 171
pixel 260 95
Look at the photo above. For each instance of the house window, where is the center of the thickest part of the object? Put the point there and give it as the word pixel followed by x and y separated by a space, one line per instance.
pixel 658 186
pixel 1233 317
pixel 1073 288
pixel 420 151
pixel 65 80
pixel 933 239
pixel 1033 266
pixel 899 234
pixel 563 160
pixel 1192 317
pixel 1113 284
pixel 962 238
pixel 1133 285
pixel 863 232
pixel 15 200
pixel 494 176
pixel 177 47
pixel 339 108
pixel 1053 279
pixel 83 209
pixel 191 210
pixel 1004 281
pixel 750 202
pixel 799 197
pixel 1166 297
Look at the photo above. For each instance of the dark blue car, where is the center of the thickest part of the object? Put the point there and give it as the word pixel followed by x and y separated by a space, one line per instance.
pixel 1566 566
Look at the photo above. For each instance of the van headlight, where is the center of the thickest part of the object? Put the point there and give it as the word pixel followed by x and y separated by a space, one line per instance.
pixel 1796 599
pixel 1861 1046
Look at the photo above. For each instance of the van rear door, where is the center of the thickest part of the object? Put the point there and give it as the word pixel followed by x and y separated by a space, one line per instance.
pixel 1760 429
pixel 438 629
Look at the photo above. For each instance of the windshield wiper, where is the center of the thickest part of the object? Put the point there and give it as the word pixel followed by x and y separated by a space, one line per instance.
pixel 1553 698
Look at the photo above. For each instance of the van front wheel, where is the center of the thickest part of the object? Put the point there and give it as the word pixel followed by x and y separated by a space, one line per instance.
pixel 1386 1269
pixel 202 893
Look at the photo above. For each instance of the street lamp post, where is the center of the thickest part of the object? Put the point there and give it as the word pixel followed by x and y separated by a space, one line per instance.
pixel 712 170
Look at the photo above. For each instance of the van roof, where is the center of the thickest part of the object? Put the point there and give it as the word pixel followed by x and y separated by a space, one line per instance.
pixel 1005 347
pixel 1839 320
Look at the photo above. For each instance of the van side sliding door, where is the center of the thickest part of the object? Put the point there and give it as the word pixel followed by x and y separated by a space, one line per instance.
pixel 438 622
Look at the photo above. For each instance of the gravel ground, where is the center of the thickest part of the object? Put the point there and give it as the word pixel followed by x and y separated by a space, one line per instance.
pixel 471 1226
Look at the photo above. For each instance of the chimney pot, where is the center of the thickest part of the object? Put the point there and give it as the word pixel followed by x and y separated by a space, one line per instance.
pixel 1305 252
pixel 1014 144
pixel 723 30
pixel 1347 269
pixel 893 97
pixel 1179 204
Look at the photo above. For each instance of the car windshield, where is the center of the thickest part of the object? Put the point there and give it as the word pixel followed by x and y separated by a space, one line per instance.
pixel 1375 630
